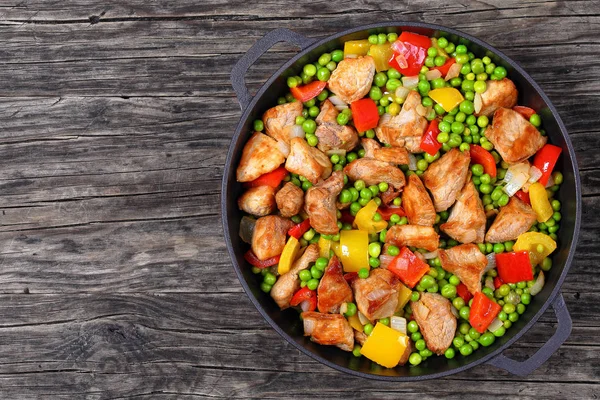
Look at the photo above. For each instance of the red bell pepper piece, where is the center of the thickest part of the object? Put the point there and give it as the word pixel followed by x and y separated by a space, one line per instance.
pixel 514 267
pixel 545 160
pixel 498 282
pixel 305 294
pixel 483 312
pixel 429 141
pixel 364 114
pixel 408 267
pixel 350 276
pixel 309 91
pixel 299 229
pixel 410 51
pixel 479 155
pixel 347 217
pixel 526 112
pixel 463 292
pixel 524 197
pixel 272 178
pixel 255 262
pixel 446 67
pixel 386 212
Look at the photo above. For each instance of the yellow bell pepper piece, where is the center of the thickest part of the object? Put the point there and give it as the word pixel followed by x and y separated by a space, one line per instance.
pixel 403 297
pixel 356 47
pixel 537 244
pixel 385 346
pixel 324 247
pixel 448 98
pixel 381 53
pixel 354 250
pixel 364 219
pixel 354 322
pixel 288 256
pixel 539 202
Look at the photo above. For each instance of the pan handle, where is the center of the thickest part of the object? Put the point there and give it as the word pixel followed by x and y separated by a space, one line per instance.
pixel 238 73
pixel 563 330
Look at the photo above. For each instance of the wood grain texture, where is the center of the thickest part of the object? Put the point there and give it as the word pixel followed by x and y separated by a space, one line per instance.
pixel 115 118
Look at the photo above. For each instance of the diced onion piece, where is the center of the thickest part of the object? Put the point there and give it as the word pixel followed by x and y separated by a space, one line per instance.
pixel 489 283
pixel 296 131
pixel 385 260
pixel 339 152
pixel 363 320
pixel 430 255
pixel 412 162
pixel 491 262
pixel 402 92
pixel 385 118
pixel 518 175
pixel 454 311
pixel 422 110
pixel 401 60
pixel 305 305
pixel 433 74
pixel 398 323
pixel 538 285
pixel 477 102
pixel 534 174
pixel 453 71
pixel 338 103
pixel 495 325
pixel 283 147
pixel 410 82
pixel 550 182
pixel 513 298
pixel 247 229
pixel 350 55
pixel 343 308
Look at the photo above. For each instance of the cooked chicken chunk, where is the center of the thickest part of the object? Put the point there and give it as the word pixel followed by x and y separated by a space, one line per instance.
pixel 328 329
pixel 405 129
pixel 333 289
pixel 515 138
pixel 280 120
pixel 373 172
pixel 498 94
pixel 466 222
pixel 390 194
pixel 436 321
pixel 333 136
pixel 467 263
pixel 260 155
pixel 352 78
pixel 269 236
pixel 360 337
pixel 422 237
pixel 417 203
pixel 392 155
pixel 377 296
pixel 328 113
pixel 513 219
pixel 446 177
pixel 320 205
pixel 308 161
pixel 290 199
pixel 287 284
pixel 258 201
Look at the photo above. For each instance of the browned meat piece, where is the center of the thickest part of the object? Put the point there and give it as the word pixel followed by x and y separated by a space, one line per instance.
pixel 319 204
pixel 290 199
pixel 269 236
pixel 417 203
pixel 377 296
pixel 392 155
pixel 308 161
pixel 333 289
pixel 467 263
pixel 466 222
pixel 287 284
pixel 373 172
pixel 258 201
pixel 446 177
pixel 333 136
pixel 360 337
pixel 436 321
pixel 328 113
pixel 260 155
pixel 422 237
pixel 280 120
pixel 513 219
pixel 389 195
pixel 328 329
pixel 405 129
pixel 515 138
pixel 498 94
pixel 352 78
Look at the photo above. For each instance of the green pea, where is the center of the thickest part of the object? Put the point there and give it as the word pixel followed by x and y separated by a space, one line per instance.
pixel 467 107
pixel 381 38
pixel 306 185
pixel 423 87
pixel 324 59
pixel 323 74
pixel 412 327
pixel 368 329
pixel 427 281
pixel 474 334
pixel 373 39
pixel 420 345
pixel 485 188
pixel 393 250
pixel 499 332
pixel 363 273
pixel 503 200
pixel 482 121
pixel 457 127
pixel 415 359
pixel 449 291
pixel 337 55
pixel 500 72
pixel 464 312
pixel 535 120
pixel 487 339
pixel 450 48
pixel 392 37
pixel 458 303
pixel 265 287
pixel 310 126
pixel 393 73
pixel 498 248
pixel 356 351
pixel 466 349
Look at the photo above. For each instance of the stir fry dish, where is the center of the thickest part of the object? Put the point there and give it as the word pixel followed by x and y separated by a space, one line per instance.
pixel 401 200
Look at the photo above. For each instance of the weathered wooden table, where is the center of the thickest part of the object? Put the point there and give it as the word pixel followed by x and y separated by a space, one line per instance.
pixel 115 119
